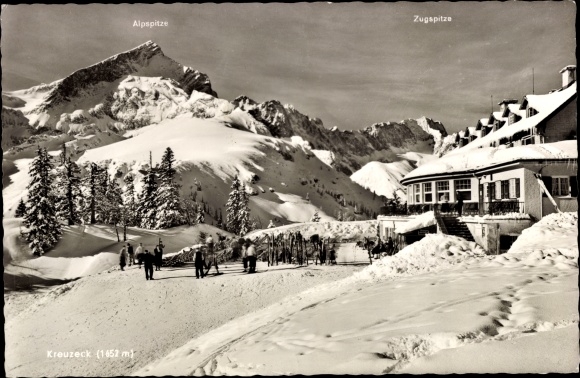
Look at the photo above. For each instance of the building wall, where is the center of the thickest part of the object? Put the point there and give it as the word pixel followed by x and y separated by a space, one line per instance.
pixel 564 204
pixel 487 233
pixel 561 125
pixel 532 195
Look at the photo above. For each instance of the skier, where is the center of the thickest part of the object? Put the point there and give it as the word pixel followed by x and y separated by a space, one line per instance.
pixel 211 255
pixel 148 260
pixel 139 254
pixel 251 252
pixel 123 258
pixel 131 254
pixel 199 263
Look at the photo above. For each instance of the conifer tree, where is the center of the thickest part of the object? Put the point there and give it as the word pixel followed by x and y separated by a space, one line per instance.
pixel 44 229
pixel 20 211
pixel 233 207
pixel 147 200
pixel 199 218
pixel 92 193
pixel 69 192
pixel 246 225
pixel 129 204
pixel 113 203
pixel 169 211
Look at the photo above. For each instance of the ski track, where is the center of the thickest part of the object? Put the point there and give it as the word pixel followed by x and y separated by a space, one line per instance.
pixel 511 318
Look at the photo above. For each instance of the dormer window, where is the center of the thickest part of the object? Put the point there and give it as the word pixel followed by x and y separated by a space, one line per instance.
pixel 531 112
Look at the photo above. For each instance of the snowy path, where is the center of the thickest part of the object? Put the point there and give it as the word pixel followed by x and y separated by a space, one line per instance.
pixel 123 311
pixel 408 325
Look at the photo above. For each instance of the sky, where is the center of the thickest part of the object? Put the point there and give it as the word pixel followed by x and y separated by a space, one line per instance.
pixel 349 64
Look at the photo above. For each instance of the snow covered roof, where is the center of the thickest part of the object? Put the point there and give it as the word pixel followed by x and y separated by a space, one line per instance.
pixel 568 68
pixel 471 130
pixel 473 160
pixel 514 108
pixel 484 121
pixel 544 104
pixel 424 220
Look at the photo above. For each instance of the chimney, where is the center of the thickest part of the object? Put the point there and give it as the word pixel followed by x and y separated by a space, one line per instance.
pixel 568 75
pixel 504 103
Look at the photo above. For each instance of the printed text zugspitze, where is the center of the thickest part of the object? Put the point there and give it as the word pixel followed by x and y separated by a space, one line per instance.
pixel 431 20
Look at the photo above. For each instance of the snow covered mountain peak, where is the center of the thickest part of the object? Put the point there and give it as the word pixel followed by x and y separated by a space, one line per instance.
pixel 92 85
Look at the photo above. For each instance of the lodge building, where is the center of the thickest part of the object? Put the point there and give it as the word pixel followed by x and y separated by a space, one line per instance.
pixel 510 170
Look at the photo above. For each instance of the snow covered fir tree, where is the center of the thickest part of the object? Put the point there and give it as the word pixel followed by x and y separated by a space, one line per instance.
pixel 169 212
pixel 237 210
pixel 43 227
pixel 69 192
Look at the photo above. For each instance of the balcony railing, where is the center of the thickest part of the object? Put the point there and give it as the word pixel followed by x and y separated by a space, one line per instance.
pixel 503 207
pixel 469 208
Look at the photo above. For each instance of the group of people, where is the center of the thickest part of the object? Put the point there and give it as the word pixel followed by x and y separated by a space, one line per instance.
pixel 205 257
pixel 144 257
pixel 387 247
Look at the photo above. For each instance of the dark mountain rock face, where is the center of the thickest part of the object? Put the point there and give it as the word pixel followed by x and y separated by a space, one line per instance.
pixel 144 60
pixel 351 148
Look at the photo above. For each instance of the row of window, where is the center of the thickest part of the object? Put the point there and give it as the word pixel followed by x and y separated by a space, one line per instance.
pixel 425 191
pixel 503 189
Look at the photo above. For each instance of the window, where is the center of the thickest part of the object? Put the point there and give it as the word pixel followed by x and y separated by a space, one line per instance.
pixel 505 189
pixel 428 192
pixel 417 193
pixel 443 190
pixel 512 119
pixel 514 191
pixel 531 112
pixel 560 186
pixel 463 187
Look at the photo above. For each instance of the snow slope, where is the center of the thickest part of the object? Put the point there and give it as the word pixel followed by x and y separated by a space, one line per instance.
pixel 437 306
pixel 85 250
pixel 383 178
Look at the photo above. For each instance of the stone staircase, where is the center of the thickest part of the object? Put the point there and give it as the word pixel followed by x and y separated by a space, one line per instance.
pixel 450 225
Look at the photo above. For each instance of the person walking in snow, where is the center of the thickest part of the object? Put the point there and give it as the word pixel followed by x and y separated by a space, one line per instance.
pixel 199 263
pixel 245 256
pixel 123 258
pixel 251 253
pixel 148 260
pixel 332 254
pixel 158 255
pixel 139 254
pixel 390 246
pixel 131 254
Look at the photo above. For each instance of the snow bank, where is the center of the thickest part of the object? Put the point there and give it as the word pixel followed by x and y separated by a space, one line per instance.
pixel 432 253
pixel 64 268
pixel 555 232
pixel 424 220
